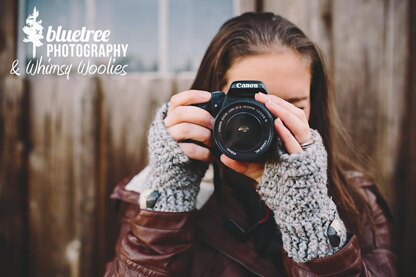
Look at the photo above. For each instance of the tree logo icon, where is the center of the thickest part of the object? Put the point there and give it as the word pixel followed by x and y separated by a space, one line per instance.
pixel 33 30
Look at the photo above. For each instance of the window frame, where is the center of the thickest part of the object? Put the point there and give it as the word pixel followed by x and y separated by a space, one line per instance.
pixel 239 6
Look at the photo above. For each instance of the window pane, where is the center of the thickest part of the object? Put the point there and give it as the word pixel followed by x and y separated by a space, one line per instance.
pixel 68 14
pixel 130 21
pixel 133 22
pixel 192 25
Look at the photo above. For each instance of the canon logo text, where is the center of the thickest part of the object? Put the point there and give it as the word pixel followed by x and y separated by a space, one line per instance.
pixel 242 85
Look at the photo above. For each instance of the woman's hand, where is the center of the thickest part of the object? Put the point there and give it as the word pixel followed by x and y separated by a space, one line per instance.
pixel 186 122
pixel 291 126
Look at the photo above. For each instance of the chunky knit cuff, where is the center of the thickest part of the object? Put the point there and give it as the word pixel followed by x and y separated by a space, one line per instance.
pixel 172 173
pixel 295 188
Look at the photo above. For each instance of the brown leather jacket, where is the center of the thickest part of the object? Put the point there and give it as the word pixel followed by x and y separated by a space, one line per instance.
pixel 196 244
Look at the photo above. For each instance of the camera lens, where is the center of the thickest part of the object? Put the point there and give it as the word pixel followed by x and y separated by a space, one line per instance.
pixel 243 132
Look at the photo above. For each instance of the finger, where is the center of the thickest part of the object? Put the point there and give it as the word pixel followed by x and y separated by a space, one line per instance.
pixel 189 114
pixel 189 97
pixel 196 152
pixel 264 98
pixel 296 126
pixel 240 167
pixel 290 143
pixel 191 131
pixel 252 170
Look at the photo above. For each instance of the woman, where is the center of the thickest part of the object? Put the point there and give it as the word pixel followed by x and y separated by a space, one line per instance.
pixel 308 210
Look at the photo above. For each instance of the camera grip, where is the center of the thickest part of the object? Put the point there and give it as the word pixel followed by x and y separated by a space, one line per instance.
pixel 214 105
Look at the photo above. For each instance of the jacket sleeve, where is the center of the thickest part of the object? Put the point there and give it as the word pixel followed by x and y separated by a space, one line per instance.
pixel 369 253
pixel 152 243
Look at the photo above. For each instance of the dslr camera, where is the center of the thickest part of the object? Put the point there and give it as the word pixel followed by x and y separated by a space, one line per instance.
pixel 243 128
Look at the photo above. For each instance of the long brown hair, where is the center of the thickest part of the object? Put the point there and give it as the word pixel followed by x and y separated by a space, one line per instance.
pixel 258 33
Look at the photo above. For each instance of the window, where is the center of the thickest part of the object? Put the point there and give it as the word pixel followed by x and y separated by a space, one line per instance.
pixel 163 35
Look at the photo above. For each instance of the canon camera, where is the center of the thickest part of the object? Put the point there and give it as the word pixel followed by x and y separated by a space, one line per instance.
pixel 243 128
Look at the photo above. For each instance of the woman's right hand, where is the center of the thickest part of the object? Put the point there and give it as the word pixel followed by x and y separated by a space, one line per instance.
pixel 186 122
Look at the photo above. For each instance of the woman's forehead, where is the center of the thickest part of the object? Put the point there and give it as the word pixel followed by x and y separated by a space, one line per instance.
pixel 285 73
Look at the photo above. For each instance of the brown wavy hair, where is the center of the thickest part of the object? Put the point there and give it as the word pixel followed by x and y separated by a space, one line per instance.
pixel 258 33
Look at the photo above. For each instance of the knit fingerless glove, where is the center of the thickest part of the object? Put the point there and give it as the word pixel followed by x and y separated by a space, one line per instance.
pixel 295 188
pixel 173 174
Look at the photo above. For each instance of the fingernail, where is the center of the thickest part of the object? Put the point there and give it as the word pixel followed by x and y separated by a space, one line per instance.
pixel 212 123
pixel 261 95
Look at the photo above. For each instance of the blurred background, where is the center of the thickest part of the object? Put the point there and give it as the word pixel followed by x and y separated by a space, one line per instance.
pixel 64 144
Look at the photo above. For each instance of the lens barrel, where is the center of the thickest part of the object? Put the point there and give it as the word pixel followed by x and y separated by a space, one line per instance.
pixel 244 130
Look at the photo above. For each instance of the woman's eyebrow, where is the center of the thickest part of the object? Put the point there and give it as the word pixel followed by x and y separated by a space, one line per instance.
pixel 296 99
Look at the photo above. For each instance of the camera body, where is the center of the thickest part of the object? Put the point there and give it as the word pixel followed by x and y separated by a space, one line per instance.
pixel 243 128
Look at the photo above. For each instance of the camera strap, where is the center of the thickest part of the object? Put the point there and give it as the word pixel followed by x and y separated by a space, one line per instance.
pixel 263 230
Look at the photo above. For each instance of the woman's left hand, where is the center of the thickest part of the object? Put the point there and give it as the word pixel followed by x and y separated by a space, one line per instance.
pixel 291 126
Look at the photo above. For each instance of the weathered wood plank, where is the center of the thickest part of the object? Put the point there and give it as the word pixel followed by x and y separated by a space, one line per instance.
pixel 8 25
pixel 313 17
pixel 183 81
pixel 245 6
pixel 128 106
pixel 13 208
pixel 369 62
pixel 62 176
pixel 364 45
pixel 406 167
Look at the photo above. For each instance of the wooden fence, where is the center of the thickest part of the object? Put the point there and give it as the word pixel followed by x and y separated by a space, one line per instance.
pixel 64 144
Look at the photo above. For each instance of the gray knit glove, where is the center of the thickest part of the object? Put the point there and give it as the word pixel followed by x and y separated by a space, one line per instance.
pixel 295 188
pixel 173 174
